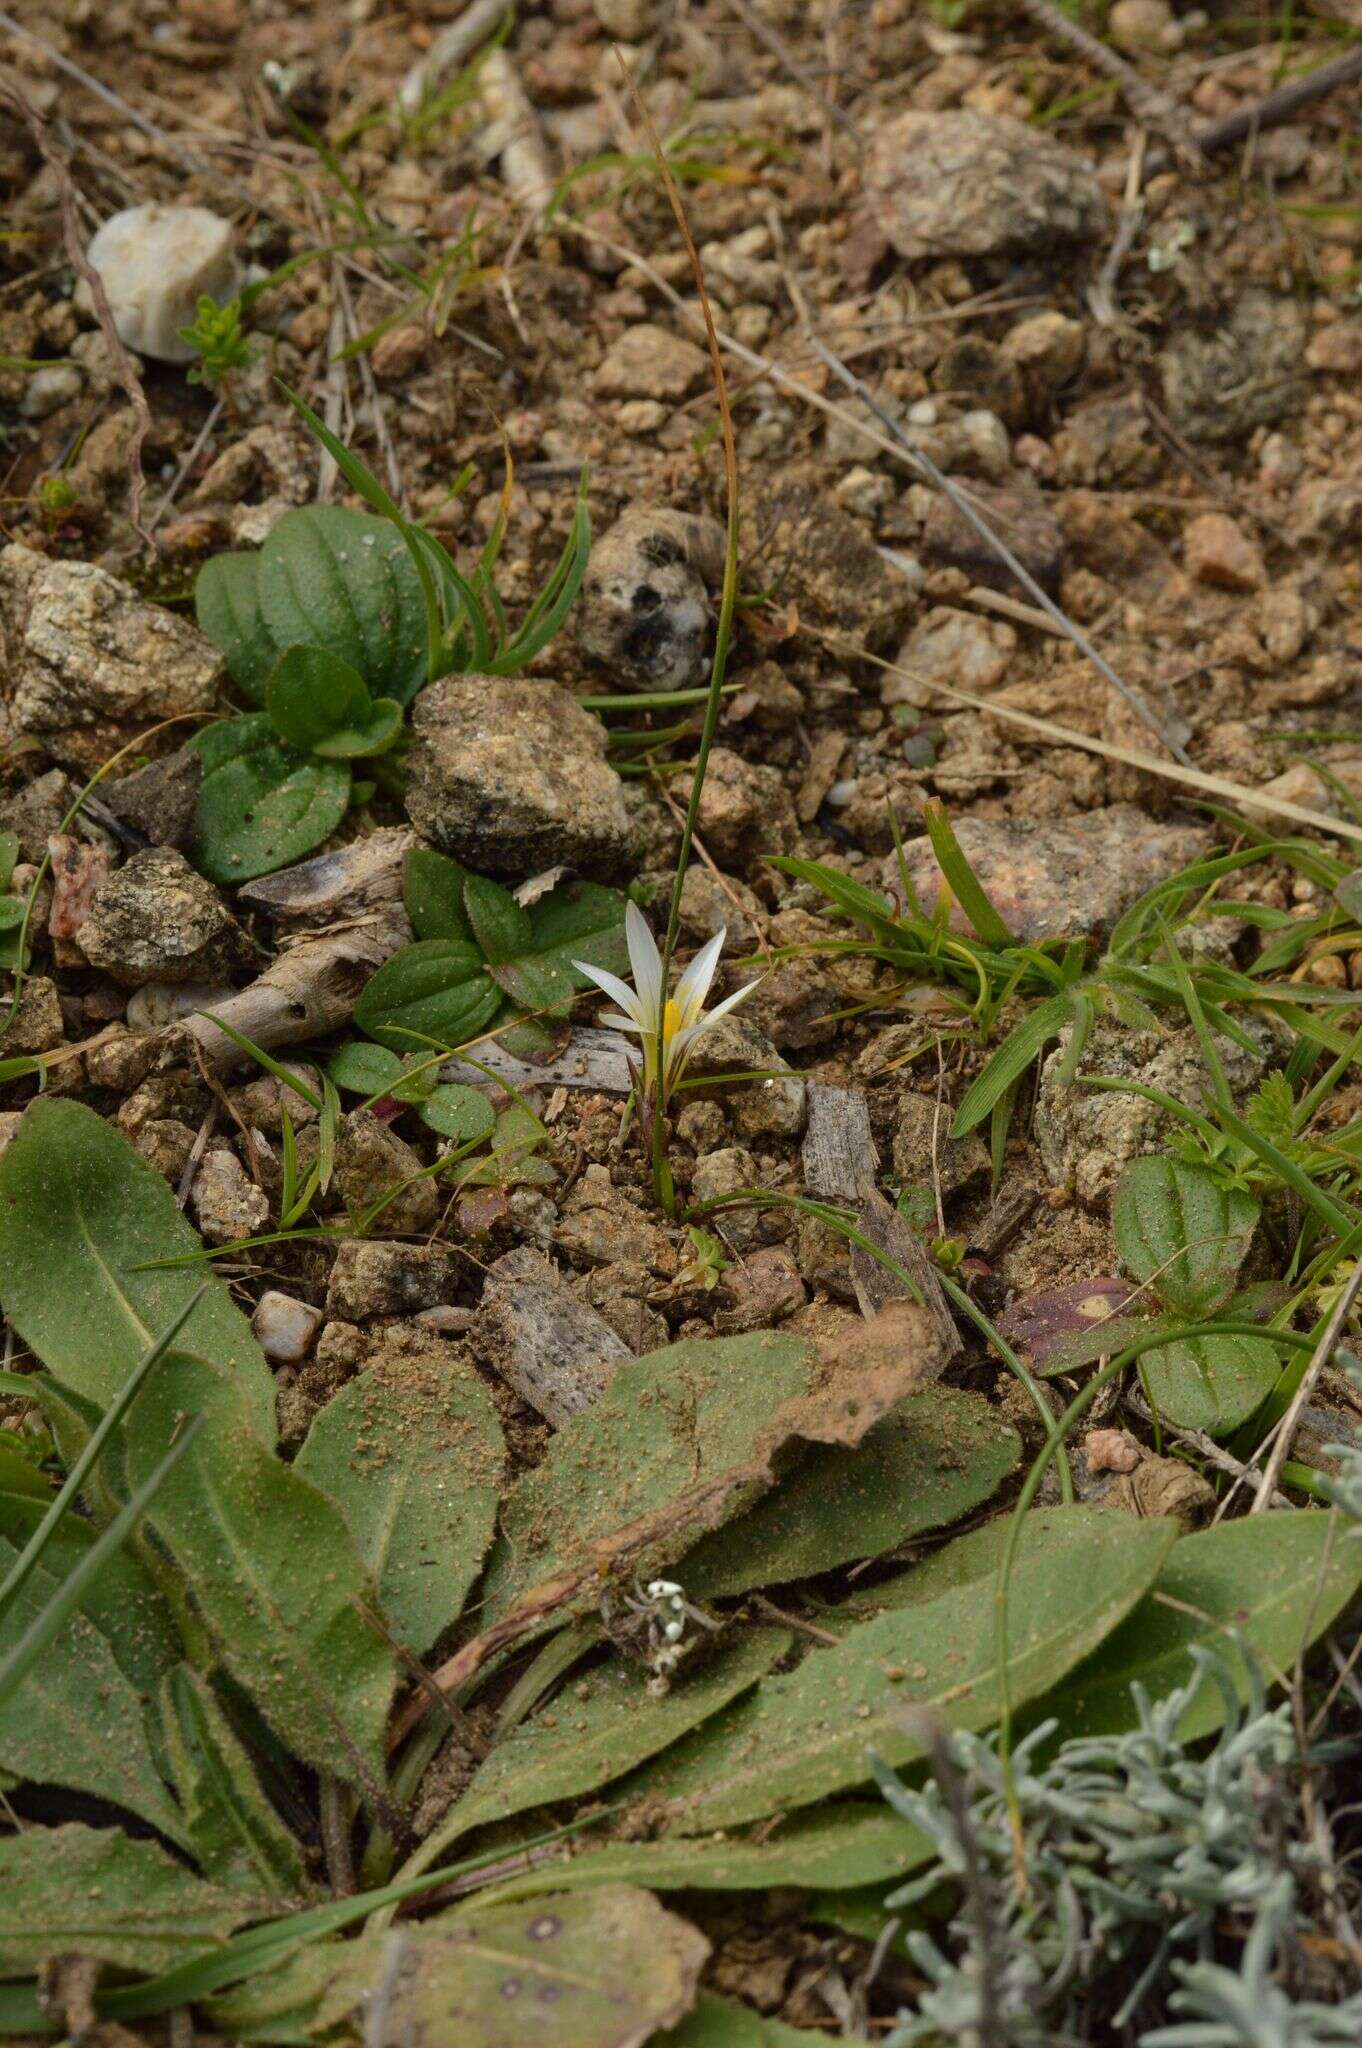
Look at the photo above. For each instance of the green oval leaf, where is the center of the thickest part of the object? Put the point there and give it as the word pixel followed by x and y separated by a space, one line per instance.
pixel 1212 1383
pixel 342 580
pixel 1178 1228
pixel 261 804
pixel 459 1112
pixel 364 1069
pixel 375 734
pixel 227 606
pixel 312 694
pixel 437 989
pixel 1079 1572
pixel 432 888
pixel 412 1454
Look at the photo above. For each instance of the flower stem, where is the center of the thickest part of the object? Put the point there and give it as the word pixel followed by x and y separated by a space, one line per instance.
pixel 662 1178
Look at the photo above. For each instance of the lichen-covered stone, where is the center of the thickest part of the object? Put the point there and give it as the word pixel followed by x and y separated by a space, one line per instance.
pixel 511 777
pixel 155 919
pixel 965 184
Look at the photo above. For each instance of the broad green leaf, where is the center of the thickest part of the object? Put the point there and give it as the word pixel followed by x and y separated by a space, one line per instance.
pixel 500 927
pixel 1079 1572
pixel 9 854
pixel 311 694
pixel 1212 1383
pixel 12 912
pixel 376 733
pixel 437 989
pixel 342 580
pixel 940 1454
pixel 667 1426
pixel 82 1219
pixel 516 1137
pixel 95 1892
pixel 238 1839
pixel 1275 1582
pixel 597 1969
pixel 361 1068
pixel 261 804
pixel 459 1112
pixel 227 605
pixel 19 1474
pixel 74 1719
pixel 279 1584
pixel 575 921
pixel 432 888
pixel 412 1454
pixel 602 1724
pixel 1178 1227
pixel 840 1844
pixel 123 1603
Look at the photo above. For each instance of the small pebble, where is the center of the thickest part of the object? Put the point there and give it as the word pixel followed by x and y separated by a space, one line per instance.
pixel 155 263
pixel 285 1328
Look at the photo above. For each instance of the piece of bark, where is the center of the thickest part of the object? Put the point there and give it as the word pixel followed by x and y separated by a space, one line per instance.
pixel 551 1348
pixel 346 885
pixel 876 1286
pixel 307 992
pixel 591 1059
pixel 839 1157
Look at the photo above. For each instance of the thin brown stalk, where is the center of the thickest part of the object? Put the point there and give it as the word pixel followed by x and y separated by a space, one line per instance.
pixel 74 243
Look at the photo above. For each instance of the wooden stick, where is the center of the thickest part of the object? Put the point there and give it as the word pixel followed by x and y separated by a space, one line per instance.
pixel 1319 1358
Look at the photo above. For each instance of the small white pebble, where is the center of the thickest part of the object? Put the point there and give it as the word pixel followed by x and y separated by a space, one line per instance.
pixel 284 1327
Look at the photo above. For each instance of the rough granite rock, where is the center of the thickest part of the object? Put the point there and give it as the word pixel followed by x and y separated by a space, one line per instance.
pixel 91 665
pixel 161 800
pixel 775 1107
pixel 645 612
pixel 1064 878
pixel 966 184
pixel 1246 371
pixel 371 1279
pixel 227 1204
pixel 962 649
pixel 511 777
pixel 816 557
pixel 37 1022
pixel 649 361
pixel 745 810
pixel 155 919
pixel 1087 1137
pixel 371 1162
pixel 1019 515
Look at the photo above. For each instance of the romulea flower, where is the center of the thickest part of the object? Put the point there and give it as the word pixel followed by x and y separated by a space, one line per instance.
pixel 683 1017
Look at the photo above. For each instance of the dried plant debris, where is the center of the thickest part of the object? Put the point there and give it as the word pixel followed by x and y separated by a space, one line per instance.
pixel 680 1014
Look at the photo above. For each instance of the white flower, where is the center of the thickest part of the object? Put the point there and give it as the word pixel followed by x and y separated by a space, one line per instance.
pixel 683 1017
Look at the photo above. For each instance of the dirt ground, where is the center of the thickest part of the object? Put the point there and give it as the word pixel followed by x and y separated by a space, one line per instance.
pixel 1146 371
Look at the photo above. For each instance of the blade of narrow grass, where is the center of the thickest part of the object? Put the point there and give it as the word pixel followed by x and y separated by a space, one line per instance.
pixel 63 1501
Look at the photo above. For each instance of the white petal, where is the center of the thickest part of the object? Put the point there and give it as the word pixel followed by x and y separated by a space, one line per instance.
pixel 618 1023
pixel 617 990
pixel 644 958
pixel 693 986
pixel 739 995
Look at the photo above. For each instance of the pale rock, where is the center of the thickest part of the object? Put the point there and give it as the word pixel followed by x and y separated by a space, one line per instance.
pixel 285 1327
pixel 155 263
pixel 651 362
pixel 227 1204
pixel 1048 348
pixel 640 417
pixel 953 647
pixel 1336 349
pixel 155 919
pixel 158 1003
pixel 1144 27
pixel 1219 553
pixel 48 389
pixel 970 184
pixel 645 612
pixel 373 1279
pixel 724 1173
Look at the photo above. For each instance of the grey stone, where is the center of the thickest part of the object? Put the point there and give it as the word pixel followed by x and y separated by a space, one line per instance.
pixel 724 1173
pixel 155 262
pixel 227 1204
pixel 645 612
pixel 511 777
pixel 161 800
pixel 371 1279
pixel 91 665
pixel 1247 371
pixel 155 919
pixel 967 184
pixel 1088 1136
